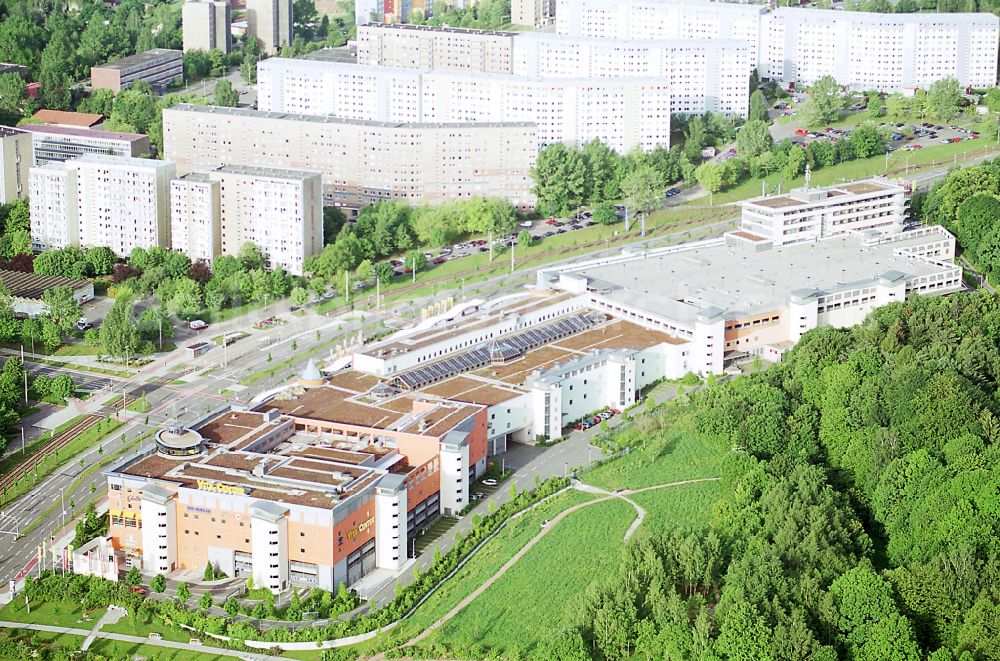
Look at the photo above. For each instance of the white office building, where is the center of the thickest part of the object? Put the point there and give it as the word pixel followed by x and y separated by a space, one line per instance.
pixel 808 214
pixel 622 112
pixel 117 202
pixel 218 210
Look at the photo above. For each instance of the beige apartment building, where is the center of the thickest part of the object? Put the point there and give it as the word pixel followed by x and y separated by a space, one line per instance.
pixel 536 13
pixel 270 22
pixel 157 67
pixel 361 162
pixel 207 25
pixel 281 211
pixel 426 47
pixel 15 159
pixel 113 201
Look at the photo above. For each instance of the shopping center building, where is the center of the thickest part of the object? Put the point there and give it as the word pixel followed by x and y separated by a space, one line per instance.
pixel 329 478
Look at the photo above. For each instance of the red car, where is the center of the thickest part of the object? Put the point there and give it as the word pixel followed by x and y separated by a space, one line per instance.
pixel 918 146
pixel 136 589
pixel 551 221
pixel 801 132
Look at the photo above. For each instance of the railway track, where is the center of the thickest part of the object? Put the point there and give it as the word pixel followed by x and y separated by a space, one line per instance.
pixel 58 442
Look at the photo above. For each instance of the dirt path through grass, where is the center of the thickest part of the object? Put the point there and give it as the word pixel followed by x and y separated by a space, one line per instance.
pixel 534 540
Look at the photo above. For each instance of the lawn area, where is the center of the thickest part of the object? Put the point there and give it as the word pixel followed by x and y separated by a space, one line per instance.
pixel 540 591
pixel 77 349
pixel 688 507
pixel 115 649
pixel 671 453
pixel 477 570
pixel 54 613
pixel 142 629
pixel 40 640
pixel 140 405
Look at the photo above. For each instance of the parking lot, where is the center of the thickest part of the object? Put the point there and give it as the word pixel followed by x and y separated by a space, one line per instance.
pixel 905 137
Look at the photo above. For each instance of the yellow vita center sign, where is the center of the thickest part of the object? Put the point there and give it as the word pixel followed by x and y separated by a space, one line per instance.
pixel 206 485
pixel 351 534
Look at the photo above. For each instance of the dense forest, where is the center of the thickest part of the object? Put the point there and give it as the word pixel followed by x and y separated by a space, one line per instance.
pixel 860 511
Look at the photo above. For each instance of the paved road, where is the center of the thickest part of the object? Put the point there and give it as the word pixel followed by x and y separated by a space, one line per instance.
pixel 83 380
pixel 144 641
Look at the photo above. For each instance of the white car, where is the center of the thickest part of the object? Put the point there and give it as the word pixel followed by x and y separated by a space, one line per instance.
pixel 490 482
pixel 197 325
pixel 526 223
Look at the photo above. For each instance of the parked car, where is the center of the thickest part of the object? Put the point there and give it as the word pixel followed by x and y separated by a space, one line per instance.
pixel 526 223
pixel 490 482
pixel 82 324
pixel 197 325
pixel 801 132
pixel 438 261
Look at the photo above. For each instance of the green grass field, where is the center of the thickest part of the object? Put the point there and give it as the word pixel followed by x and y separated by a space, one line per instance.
pixel 129 628
pixel 676 453
pixel 115 649
pixel 54 613
pixel 540 591
pixel 40 640
pixel 688 507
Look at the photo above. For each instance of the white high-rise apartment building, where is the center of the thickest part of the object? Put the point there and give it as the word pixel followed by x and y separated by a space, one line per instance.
pixel 536 13
pixel 863 50
pixel 622 112
pixel 704 75
pixel 361 162
pixel 879 51
pixel 270 23
pixel 15 160
pixel 55 221
pixel 338 89
pixel 662 19
pixel 207 24
pixel 113 201
pixel 195 227
pixel 217 211
pixel 429 47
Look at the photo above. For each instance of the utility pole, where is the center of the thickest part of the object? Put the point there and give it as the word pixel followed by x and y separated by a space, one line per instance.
pixel 512 257
pixel 490 236
pixel 347 286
